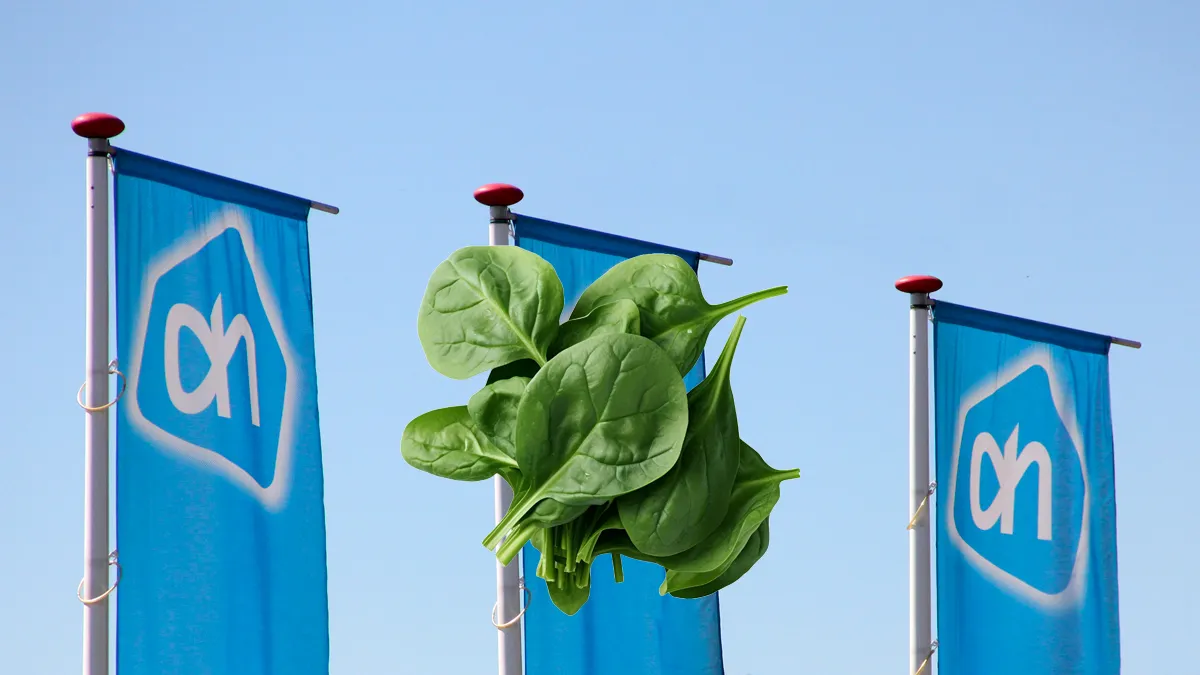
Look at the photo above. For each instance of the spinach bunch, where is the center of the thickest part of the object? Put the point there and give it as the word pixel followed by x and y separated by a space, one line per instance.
pixel 589 420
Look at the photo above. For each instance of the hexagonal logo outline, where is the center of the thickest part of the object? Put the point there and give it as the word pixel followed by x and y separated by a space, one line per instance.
pixel 274 495
pixel 1074 592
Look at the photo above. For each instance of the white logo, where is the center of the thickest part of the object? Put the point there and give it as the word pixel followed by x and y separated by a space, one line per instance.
pixel 220 345
pixel 1010 469
pixel 1011 466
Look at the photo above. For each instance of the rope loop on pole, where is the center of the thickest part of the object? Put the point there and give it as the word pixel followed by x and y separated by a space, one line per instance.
pixel 925 664
pixel 112 562
pixel 517 618
pixel 112 370
pixel 921 507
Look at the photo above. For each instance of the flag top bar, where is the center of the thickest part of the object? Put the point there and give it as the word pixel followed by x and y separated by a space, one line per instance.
pixel 215 185
pixel 502 195
pixel 923 284
pixel 103 126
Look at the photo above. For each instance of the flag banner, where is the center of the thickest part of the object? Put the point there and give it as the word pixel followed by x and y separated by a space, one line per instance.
pixel 1026 527
pixel 625 628
pixel 220 506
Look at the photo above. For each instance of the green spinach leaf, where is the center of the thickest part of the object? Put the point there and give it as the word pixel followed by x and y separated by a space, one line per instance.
pixel 620 316
pixel 547 514
pixel 447 443
pixel 494 410
pixel 754 495
pixel 569 589
pixel 601 419
pixel 751 553
pixel 610 519
pixel 487 306
pixel 674 313
pixel 526 368
pixel 679 510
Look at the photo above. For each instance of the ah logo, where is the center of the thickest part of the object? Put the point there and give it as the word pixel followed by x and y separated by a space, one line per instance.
pixel 213 377
pixel 1018 502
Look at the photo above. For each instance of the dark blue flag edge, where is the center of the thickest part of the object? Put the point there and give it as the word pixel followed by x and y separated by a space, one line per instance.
pixel 1027 329
pixel 592 240
pixel 210 185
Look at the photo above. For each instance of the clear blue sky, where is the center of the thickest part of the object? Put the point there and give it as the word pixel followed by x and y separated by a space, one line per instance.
pixel 1040 157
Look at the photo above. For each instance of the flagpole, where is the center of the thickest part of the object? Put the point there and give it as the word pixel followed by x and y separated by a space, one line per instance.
pixel 506 615
pixel 94 590
pixel 920 616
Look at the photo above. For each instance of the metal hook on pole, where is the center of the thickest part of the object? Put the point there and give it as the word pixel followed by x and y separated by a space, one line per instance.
pixel 112 562
pixel 516 619
pixel 112 370
pixel 924 502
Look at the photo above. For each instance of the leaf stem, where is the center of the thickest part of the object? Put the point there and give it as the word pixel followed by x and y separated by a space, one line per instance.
pixel 516 511
pixel 547 556
pixel 727 308
pixel 512 545
pixel 569 549
pixel 724 362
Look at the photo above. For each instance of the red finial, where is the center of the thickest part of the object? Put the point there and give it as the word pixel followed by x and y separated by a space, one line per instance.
pixel 919 284
pixel 97 125
pixel 499 194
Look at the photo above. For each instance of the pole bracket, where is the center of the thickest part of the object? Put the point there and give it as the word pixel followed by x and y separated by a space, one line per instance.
pixel 928 657
pixel 512 622
pixel 921 507
pixel 112 370
pixel 112 562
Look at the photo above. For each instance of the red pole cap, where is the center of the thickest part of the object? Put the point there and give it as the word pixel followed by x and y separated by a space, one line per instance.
pixel 918 284
pixel 97 125
pixel 499 194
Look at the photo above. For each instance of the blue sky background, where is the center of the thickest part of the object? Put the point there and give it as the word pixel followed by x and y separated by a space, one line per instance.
pixel 1040 157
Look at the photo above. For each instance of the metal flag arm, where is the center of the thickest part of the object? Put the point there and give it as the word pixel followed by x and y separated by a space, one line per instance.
pixel 708 257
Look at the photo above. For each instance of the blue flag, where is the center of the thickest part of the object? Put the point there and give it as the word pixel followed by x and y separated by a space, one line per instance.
pixel 625 628
pixel 1026 532
pixel 220 512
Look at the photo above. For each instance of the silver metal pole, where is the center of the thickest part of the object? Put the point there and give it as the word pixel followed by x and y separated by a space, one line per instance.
pixel 97 128
pixel 498 197
pixel 920 618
